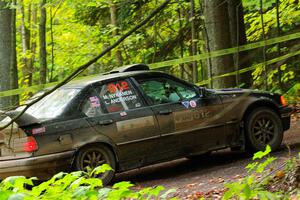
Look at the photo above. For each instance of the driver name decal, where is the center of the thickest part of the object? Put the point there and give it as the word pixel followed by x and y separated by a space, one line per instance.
pixel 119 92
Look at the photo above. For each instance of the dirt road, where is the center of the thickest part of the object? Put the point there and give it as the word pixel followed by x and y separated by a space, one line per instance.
pixel 202 175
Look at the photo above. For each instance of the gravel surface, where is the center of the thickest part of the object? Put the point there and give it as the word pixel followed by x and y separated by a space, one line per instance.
pixel 206 174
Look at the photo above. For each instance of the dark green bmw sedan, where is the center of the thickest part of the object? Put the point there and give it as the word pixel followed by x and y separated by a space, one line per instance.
pixel 133 117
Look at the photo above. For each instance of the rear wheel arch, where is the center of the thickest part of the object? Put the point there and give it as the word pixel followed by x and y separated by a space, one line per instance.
pixel 98 143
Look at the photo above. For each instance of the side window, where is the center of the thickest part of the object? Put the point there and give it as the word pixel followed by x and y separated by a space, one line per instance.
pixel 119 96
pixel 163 90
pixel 91 106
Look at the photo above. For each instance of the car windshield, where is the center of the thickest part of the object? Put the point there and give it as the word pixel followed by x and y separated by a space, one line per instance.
pixel 52 105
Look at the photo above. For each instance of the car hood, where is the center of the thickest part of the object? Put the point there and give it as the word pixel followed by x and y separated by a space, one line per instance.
pixel 232 93
pixel 238 91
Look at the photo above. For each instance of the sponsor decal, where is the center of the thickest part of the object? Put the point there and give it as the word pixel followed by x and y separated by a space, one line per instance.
pixel 186 104
pixel 137 105
pixel 141 122
pixel 190 115
pixel 123 114
pixel 95 102
pixel 193 103
pixel 36 131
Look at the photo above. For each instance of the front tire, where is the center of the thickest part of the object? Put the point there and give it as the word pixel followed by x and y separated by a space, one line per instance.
pixel 93 156
pixel 263 127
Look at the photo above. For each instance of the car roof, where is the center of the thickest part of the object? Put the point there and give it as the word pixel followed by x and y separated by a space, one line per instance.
pixel 85 81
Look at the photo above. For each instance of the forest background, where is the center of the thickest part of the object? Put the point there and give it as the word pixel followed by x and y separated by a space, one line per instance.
pixel 43 41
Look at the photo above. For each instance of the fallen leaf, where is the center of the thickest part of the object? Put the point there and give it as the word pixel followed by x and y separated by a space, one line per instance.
pixel 280 174
pixel 190 185
pixel 237 176
pixel 221 180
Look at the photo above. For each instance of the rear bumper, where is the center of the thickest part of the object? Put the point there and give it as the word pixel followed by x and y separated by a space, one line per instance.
pixel 41 167
pixel 285 114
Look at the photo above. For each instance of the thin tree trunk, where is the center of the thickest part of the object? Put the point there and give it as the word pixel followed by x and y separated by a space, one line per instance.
pixel 278 45
pixel 238 38
pixel 264 48
pixel 7 51
pixel 218 35
pixel 25 36
pixel 113 19
pixel 42 40
pixel 52 16
pixel 206 72
pixel 33 44
pixel 13 67
pixel 194 42
pixel 52 45
pixel 181 43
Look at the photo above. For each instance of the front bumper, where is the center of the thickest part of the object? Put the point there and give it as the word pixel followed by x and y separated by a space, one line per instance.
pixel 42 167
pixel 285 114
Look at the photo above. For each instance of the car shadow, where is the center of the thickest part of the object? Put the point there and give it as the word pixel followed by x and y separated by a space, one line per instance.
pixel 181 166
pixel 202 165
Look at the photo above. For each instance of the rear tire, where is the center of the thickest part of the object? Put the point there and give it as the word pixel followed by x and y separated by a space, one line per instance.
pixel 263 127
pixel 94 156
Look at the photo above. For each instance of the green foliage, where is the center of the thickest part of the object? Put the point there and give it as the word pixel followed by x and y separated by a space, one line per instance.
pixel 76 185
pixel 251 187
pixel 293 94
pixel 282 76
pixel 82 29
pixel 289 11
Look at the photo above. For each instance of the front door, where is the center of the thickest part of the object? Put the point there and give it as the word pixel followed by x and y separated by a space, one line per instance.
pixel 187 121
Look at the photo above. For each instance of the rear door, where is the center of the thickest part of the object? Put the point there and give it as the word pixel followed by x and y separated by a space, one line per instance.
pixel 186 119
pixel 118 112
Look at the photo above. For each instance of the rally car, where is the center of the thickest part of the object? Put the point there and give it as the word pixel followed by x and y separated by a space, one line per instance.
pixel 132 117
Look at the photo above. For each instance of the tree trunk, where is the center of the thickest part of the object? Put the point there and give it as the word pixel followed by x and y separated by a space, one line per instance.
pixel 52 45
pixel 238 38
pixel 181 43
pixel 113 20
pixel 42 40
pixel 13 67
pixel 25 37
pixel 194 41
pixel 7 52
pixel 33 44
pixel 218 36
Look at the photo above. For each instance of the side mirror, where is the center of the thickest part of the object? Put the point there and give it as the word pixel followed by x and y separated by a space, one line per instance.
pixel 201 91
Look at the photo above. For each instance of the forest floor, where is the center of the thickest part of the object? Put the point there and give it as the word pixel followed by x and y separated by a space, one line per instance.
pixel 192 178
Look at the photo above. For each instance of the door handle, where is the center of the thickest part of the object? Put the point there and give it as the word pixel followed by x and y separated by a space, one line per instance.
pixel 165 112
pixel 106 122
